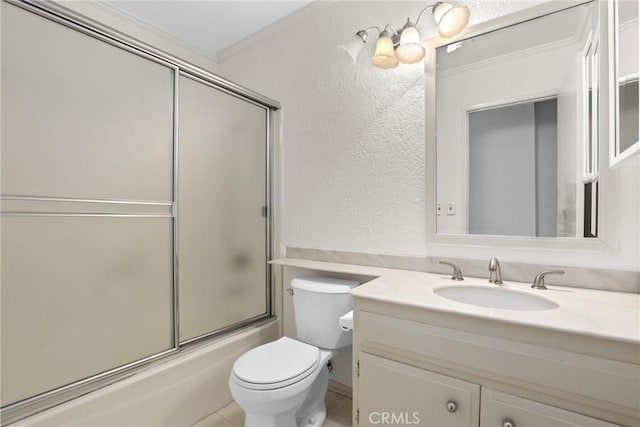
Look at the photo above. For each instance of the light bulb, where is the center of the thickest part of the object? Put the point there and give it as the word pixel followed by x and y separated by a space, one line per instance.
pixel 450 19
pixel 410 49
pixel 384 56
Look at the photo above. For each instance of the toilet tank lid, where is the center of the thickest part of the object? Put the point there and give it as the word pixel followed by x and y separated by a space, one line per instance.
pixel 323 285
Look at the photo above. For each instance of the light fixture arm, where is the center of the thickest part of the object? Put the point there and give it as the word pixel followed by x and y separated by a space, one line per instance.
pixel 364 34
pixel 389 26
pixel 423 11
pixel 393 34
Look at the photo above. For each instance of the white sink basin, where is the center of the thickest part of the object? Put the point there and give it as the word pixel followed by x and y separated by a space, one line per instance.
pixel 495 297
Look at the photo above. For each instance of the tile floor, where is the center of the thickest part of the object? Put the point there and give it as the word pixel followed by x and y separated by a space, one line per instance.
pixel 338 414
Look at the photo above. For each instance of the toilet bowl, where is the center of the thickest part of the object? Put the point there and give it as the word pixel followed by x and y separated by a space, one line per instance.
pixel 291 393
pixel 283 383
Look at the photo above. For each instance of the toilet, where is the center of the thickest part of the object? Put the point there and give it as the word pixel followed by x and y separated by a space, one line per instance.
pixel 283 383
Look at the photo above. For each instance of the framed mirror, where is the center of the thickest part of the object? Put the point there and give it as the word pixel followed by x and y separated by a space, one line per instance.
pixel 624 65
pixel 513 130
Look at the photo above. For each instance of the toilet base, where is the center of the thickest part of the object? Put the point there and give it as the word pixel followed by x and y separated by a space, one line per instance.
pixel 316 419
pixel 313 411
pixel 303 406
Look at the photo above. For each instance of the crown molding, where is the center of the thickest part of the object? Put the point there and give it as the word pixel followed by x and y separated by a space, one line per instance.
pixel 119 20
pixel 279 26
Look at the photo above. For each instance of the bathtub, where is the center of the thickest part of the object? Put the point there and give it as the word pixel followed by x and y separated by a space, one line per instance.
pixel 178 391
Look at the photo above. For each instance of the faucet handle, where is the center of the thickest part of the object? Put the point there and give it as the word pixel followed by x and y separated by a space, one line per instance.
pixel 457 273
pixel 538 281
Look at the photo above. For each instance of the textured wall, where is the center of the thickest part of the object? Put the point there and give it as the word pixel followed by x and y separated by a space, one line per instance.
pixel 353 137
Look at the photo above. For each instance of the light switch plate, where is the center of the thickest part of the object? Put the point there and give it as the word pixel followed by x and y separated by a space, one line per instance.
pixel 451 208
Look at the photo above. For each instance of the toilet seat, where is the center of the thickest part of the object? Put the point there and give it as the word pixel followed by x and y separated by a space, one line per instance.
pixel 276 364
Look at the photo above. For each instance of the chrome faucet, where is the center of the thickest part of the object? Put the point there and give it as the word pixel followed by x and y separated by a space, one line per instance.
pixel 538 281
pixel 494 271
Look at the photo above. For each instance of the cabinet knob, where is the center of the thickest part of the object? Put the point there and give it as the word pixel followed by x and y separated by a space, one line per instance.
pixel 452 406
pixel 508 422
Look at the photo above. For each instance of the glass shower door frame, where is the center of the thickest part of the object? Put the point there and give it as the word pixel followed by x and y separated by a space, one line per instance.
pixel 62 16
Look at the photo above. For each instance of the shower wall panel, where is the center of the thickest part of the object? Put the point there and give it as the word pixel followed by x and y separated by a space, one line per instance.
pixel 87 160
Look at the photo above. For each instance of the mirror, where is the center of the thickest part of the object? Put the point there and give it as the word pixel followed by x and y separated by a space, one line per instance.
pixel 516 125
pixel 625 65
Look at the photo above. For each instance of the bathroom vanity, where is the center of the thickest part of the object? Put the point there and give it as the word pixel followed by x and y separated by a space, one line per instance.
pixel 563 356
pixel 423 359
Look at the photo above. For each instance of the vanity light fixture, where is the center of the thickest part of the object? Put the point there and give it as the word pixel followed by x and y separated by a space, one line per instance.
pixel 405 46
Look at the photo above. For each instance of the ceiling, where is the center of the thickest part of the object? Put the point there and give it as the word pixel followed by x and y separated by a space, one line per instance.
pixel 210 25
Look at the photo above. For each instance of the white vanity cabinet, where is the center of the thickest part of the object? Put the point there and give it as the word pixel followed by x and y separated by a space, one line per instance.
pixel 396 393
pixel 429 368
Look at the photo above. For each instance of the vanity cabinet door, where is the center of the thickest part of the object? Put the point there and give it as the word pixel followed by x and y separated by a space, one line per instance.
pixel 394 393
pixel 505 410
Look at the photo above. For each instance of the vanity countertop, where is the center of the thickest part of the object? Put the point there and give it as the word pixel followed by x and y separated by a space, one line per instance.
pixel 603 314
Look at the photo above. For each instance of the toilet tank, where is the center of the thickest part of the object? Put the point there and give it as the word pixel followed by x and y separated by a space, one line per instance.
pixel 318 303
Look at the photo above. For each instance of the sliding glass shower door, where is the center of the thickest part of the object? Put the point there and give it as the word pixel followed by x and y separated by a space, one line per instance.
pixel 134 198
pixel 222 199
pixel 87 266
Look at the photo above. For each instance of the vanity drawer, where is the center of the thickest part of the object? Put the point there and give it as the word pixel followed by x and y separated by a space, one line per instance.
pixel 501 409
pixel 599 382
pixel 398 394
